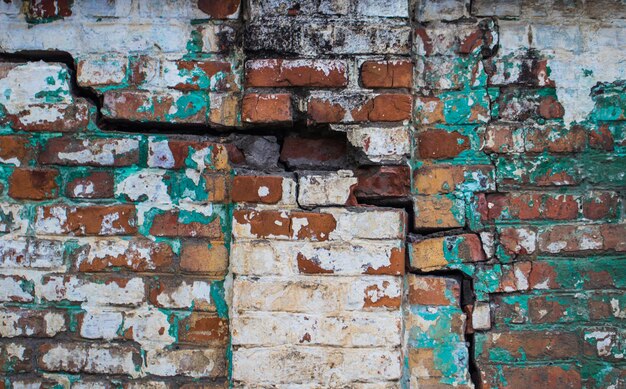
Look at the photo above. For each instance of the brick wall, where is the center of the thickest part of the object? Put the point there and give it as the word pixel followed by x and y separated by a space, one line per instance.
pixel 311 194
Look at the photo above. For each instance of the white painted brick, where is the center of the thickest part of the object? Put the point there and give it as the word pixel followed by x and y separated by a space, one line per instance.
pixel 25 322
pixel 391 8
pixel 98 8
pixel 103 69
pixel 430 10
pixel 316 294
pixel 368 224
pixel 381 144
pixel 481 316
pixel 14 289
pixel 22 253
pixel 326 366
pixel 325 189
pixel 500 8
pixel 31 83
pixel 145 185
pixel 58 288
pixel 90 358
pixel 359 329
pixel 13 219
pixel 265 257
pixel 192 363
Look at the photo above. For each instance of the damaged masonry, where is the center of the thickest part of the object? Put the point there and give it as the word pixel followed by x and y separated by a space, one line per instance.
pixel 312 194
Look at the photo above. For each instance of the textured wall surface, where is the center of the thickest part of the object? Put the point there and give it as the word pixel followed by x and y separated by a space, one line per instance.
pixel 312 194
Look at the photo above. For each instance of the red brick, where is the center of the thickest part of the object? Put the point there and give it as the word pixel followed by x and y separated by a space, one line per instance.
pixel 136 255
pixel 317 227
pixel 296 73
pixel 69 117
pixel 518 240
pixel 434 179
pixel 441 144
pixel 15 149
pixel 87 220
pixel 264 224
pixel 555 139
pixel 219 9
pixel 90 151
pixel 298 152
pixel 49 9
pixel 257 189
pixel 601 138
pixel 204 257
pixel 438 212
pixel 560 207
pixel 202 329
pixel 15 362
pixel 531 206
pixel 266 108
pixel 535 345
pixel 36 323
pixel 600 205
pixel 206 69
pixel 167 106
pixel 503 138
pixel 542 276
pixel 432 290
pixel 614 236
pixel 383 182
pixel 387 74
pixel 33 184
pixel 384 108
pixel 321 110
pixel 531 377
pixel 570 238
pixel 170 224
pixel 174 153
pixel 550 108
pixel 93 185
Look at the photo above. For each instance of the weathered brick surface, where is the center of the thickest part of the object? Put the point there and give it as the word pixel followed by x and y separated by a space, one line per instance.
pixel 332 193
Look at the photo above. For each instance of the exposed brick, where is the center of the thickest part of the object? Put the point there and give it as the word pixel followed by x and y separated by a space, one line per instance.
pixel 15 358
pixel 33 184
pixel 110 254
pixel 383 182
pixel 91 185
pixel 173 223
pixel 203 329
pixel 86 358
pixel 86 220
pixel 428 290
pixel 438 211
pixel 553 376
pixel 387 74
pixel 47 323
pixel 15 150
pixel 441 144
pixel 257 189
pixel 305 153
pixel 49 9
pixel 296 73
pixel 221 10
pixel 203 257
pixel 91 151
pixel 436 253
pixel 384 108
pixel 266 108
